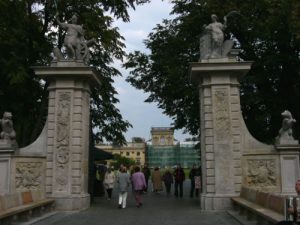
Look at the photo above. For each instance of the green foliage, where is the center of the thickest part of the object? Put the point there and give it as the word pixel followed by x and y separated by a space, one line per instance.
pixel 27 38
pixel 267 33
pixel 118 160
pixel 138 140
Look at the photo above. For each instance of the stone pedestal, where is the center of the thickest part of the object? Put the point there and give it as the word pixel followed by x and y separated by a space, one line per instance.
pixel 289 166
pixel 5 171
pixel 68 132
pixel 6 152
pixel 221 139
pixel 7 146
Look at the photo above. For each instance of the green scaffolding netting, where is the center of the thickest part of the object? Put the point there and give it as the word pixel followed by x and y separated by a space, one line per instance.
pixel 169 156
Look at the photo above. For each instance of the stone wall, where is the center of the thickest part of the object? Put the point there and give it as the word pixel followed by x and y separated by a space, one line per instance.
pixel 230 155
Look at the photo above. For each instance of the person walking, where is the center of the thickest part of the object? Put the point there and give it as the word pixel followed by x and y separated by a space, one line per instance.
pixel 123 183
pixel 192 178
pixel 198 181
pixel 147 173
pixel 168 180
pixel 179 178
pixel 139 184
pixel 156 180
pixel 109 181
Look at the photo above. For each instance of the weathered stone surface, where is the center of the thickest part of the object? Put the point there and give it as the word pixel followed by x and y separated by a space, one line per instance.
pixel 70 90
pixel 221 139
pixel 4 175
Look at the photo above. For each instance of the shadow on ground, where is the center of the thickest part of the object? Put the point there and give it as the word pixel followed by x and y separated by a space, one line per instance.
pixel 157 209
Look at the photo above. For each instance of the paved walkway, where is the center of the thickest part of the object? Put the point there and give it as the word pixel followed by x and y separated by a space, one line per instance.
pixel 157 209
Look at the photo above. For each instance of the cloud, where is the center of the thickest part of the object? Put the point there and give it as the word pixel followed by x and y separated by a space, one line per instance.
pixel 141 115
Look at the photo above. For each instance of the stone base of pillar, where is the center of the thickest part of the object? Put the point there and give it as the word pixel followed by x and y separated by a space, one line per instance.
pixel 216 202
pixel 71 203
pixel 289 167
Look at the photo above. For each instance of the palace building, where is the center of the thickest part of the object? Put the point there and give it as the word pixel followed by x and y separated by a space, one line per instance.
pixel 161 150
pixel 164 150
pixel 133 150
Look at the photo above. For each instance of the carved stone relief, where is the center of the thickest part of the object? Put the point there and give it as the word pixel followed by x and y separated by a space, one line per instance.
pixel 261 172
pixel 222 122
pixel 62 139
pixel 28 176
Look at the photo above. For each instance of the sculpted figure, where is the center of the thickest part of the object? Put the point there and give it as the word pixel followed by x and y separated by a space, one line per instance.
pixel 75 43
pixel 212 44
pixel 215 29
pixel 287 123
pixel 73 37
pixel 8 132
pixel 285 134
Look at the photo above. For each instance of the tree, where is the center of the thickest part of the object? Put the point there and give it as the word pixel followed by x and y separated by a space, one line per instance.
pixel 118 160
pixel 138 140
pixel 267 34
pixel 27 37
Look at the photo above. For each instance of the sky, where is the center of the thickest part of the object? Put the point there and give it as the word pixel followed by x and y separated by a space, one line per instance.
pixel 141 115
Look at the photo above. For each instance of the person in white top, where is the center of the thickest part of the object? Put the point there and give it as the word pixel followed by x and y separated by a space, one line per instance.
pixel 109 182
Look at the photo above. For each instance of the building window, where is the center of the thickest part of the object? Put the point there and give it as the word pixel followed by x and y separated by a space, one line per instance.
pixel 155 140
pixel 127 153
pixel 132 153
pixel 162 140
pixel 138 153
pixel 121 153
pixel 169 141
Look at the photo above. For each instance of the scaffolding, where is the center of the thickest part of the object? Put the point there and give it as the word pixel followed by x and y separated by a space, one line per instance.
pixel 169 156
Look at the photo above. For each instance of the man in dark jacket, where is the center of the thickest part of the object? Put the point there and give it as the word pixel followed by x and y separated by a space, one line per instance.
pixel 147 173
pixel 179 177
pixel 192 178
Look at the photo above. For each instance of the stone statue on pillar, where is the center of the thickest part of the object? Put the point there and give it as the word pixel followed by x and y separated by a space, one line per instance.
pixel 285 134
pixel 8 134
pixel 71 82
pixel 75 43
pixel 212 44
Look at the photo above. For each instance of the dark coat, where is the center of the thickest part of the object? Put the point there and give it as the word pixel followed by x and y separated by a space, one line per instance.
pixel 168 178
pixel 179 175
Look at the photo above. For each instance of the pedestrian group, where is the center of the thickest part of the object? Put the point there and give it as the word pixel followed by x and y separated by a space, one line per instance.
pixel 138 179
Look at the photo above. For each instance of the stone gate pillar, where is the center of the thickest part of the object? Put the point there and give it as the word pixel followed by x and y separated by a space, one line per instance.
pixel 220 129
pixel 68 132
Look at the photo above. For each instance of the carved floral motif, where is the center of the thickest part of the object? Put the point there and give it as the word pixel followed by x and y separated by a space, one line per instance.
pixel 62 139
pixel 28 175
pixel 261 172
pixel 222 123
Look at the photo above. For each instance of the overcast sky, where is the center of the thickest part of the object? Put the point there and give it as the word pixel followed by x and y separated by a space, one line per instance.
pixel 141 115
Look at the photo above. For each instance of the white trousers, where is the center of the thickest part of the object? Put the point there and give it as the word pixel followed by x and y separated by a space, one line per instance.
pixel 122 199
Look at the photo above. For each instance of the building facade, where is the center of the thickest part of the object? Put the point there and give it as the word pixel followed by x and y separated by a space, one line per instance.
pixel 164 150
pixel 132 150
pixel 162 136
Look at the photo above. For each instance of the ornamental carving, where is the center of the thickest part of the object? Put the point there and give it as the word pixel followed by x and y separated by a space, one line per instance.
pixel 261 172
pixel 28 176
pixel 77 47
pixel 222 123
pixel 62 138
